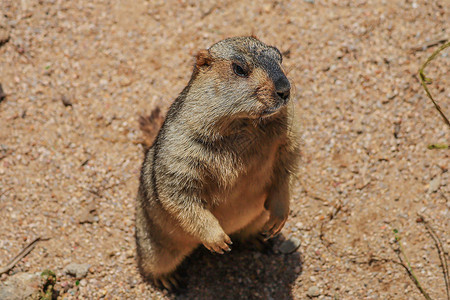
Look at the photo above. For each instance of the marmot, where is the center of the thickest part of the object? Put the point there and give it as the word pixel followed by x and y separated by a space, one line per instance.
pixel 222 161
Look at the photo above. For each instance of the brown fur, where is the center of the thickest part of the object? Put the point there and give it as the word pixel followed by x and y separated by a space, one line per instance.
pixel 150 126
pixel 222 161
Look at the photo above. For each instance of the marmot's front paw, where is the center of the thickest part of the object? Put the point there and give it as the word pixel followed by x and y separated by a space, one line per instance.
pixel 218 242
pixel 274 225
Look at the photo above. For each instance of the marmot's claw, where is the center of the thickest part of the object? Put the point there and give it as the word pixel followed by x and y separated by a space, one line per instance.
pixel 221 246
pixel 273 227
pixel 169 282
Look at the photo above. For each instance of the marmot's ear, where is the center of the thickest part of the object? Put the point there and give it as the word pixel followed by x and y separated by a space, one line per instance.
pixel 203 59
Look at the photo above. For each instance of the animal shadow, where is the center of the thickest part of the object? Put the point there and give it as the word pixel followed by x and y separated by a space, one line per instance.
pixel 240 274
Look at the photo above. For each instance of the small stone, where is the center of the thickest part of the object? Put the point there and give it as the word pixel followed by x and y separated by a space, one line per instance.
pixel 125 81
pixel 130 254
pixel 4 30
pixel 66 286
pixel 66 101
pixel 313 291
pixel 397 127
pixel 391 96
pixel 2 93
pixel 358 127
pixel 77 270
pixel 289 245
pixel 434 184
pixel 88 215
pixel 309 1
pixel 21 286
pixel 267 8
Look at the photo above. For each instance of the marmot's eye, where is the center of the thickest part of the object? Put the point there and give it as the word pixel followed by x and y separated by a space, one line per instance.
pixel 239 71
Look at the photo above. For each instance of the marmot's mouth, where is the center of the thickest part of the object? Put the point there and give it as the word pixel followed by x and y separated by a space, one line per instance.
pixel 268 112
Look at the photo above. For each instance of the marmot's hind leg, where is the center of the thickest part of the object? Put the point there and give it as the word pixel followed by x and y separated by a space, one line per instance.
pixel 157 261
pixel 158 265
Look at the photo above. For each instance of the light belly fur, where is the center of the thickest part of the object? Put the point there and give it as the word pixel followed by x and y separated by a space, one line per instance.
pixel 239 210
pixel 245 201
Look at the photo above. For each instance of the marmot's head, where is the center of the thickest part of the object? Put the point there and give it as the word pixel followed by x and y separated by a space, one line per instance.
pixel 244 76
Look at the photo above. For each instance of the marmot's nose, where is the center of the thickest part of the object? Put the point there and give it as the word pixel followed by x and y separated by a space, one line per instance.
pixel 283 88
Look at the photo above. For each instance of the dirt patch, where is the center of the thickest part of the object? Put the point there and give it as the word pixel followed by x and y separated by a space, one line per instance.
pixel 366 124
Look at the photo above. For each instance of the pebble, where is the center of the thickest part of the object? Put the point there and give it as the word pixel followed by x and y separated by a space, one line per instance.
pixel 77 270
pixel 66 101
pixel 434 184
pixel 4 30
pixel 2 93
pixel 21 286
pixel 130 254
pixel 289 245
pixel 313 291
pixel 88 215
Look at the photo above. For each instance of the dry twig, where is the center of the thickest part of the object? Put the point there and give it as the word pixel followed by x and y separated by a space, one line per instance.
pixel 98 191
pixel 25 251
pixel 408 267
pixel 441 253
pixel 430 44
pixel 309 193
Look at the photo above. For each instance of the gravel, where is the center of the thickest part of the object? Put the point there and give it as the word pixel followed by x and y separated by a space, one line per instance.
pixel 364 119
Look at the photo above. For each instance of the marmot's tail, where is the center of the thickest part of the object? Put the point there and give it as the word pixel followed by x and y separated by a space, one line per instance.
pixel 150 126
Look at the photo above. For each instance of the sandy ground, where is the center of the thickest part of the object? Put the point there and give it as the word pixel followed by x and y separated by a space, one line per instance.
pixel 70 173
